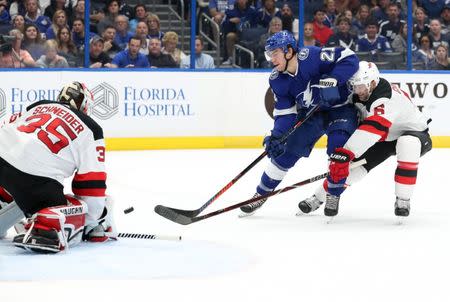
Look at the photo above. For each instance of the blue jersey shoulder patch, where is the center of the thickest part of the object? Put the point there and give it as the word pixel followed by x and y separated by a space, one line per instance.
pixel 303 54
pixel 274 74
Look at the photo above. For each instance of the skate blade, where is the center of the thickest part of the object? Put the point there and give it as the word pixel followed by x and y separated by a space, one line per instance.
pixel 243 214
pixel 401 220
pixel 330 219
pixel 301 213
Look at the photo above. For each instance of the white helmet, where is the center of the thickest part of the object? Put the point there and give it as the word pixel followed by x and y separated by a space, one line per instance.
pixel 366 73
pixel 77 96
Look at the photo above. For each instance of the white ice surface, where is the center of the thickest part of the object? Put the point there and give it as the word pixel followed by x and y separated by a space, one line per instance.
pixel 272 256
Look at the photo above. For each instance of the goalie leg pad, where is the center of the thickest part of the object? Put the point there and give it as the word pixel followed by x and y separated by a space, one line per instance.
pixel 10 214
pixel 54 229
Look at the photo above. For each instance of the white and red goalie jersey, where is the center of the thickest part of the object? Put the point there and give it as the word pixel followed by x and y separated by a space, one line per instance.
pixel 388 113
pixel 52 140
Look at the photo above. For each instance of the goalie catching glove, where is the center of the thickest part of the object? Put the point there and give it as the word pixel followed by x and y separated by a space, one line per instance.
pixel 340 164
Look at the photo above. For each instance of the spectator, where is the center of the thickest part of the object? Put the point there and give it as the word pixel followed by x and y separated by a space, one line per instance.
pixel 441 61
pixel 19 23
pixel 17 7
pixel 56 5
pixel 112 11
pixel 421 25
pixel 170 42
pixel 380 12
pixel 33 16
pixel 202 60
pixel 308 35
pixel 32 41
pixel 432 7
pixel 290 23
pixel 154 27
pixel 343 38
pixel 391 27
pixel 51 59
pixel 425 54
pixel 5 18
pixel 78 34
pixel 372 41
pixel 330 13
pixel 96 13
pixel 399 43
pixel 67 48
pixel 59 21
pixel 140 12
pixel 97 57
pixel 342 5
pixel 142 32
pixel 353 26
pixel 321 32
pixel 157 58
pixel 217 10
pixel 241 16
pixel 17 57
pixel 123 36
pixel 110 46
pixel 130 57
pixel 266 13
pixel 275 26
pixel 360 20
pixel 445 19
pixel 78 12
pixel 311 6
pixel 436 36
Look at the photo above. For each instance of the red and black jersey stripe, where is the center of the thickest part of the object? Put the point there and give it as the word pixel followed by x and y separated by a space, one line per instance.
pixel 89 184
pixel 376 124
pixel 406 173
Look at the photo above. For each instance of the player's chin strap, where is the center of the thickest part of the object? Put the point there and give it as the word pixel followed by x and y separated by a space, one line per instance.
pixel 288 60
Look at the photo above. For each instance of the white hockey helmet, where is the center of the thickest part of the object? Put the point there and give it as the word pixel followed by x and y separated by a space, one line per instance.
pixel 366 73
pixel 77 96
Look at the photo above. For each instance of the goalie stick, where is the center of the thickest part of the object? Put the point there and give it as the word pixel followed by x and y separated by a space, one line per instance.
pixel 167 211
pixel 185 220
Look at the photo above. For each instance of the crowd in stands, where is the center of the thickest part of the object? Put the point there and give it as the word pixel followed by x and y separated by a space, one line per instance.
pixel 51 33
pixel 372 28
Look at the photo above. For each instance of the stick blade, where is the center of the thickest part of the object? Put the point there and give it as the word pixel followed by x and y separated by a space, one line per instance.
pixel 172 215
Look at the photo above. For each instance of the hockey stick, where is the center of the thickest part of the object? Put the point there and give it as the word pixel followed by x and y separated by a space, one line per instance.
pixel 185 220
pixel 145 236
pixel 167 212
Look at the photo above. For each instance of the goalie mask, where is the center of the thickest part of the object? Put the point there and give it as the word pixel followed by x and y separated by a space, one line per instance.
pixel 77 96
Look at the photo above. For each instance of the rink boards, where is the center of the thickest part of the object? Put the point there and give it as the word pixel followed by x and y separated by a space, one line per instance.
pixel 176 110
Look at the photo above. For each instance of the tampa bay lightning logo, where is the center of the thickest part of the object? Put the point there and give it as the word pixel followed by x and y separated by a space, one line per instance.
pixel 305 98
pixel 274 74
pixel 303 54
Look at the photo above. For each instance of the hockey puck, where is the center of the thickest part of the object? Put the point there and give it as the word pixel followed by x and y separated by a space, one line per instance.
pixel 128 210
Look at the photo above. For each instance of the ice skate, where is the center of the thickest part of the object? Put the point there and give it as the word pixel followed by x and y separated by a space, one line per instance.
pixel 331 206
pixel 401 209
pixel 250 208
pixel 309 205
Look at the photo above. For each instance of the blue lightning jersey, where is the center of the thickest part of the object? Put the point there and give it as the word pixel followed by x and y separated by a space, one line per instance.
pixel 299 92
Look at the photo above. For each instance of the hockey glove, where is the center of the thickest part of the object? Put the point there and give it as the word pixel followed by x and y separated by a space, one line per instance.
pixel 105 228
pixel 339 164
pixel 329 92
pixel 273 145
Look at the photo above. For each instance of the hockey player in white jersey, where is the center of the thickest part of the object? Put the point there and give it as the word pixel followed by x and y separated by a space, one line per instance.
pixel 41 147
pixel 391 125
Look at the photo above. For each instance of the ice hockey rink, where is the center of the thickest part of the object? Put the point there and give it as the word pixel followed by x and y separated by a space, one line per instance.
pixel 364 255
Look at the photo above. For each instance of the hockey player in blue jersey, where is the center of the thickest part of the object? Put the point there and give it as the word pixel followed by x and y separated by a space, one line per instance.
pixel 301 80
